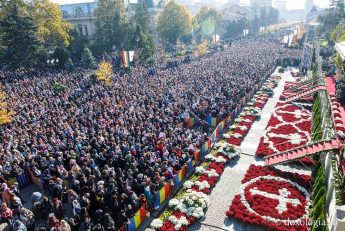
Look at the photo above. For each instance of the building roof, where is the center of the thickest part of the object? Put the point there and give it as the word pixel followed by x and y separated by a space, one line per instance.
pixel 340 48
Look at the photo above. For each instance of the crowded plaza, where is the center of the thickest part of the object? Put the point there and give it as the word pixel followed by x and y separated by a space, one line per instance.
pixel 97 153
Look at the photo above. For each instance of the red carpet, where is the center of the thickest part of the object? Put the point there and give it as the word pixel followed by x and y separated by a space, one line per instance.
pixel 330 82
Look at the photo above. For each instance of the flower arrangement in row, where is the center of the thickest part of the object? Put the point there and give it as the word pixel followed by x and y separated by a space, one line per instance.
pixel 191 202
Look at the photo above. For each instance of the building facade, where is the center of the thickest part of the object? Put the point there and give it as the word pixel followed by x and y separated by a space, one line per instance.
pixel 81 16
pixel 261 3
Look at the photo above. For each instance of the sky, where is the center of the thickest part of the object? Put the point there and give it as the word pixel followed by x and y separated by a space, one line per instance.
pixel 291 4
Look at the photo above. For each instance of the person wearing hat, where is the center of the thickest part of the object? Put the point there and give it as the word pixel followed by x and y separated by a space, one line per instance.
pixel 6 214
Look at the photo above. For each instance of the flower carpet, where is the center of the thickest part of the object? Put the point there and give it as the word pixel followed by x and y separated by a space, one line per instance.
pixel 289 127
pixel 273 199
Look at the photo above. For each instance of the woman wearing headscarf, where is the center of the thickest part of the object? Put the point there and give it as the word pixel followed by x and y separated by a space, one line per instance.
pixel 5 194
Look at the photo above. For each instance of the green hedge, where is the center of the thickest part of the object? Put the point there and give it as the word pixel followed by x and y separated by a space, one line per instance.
pixel 317 122
pixel 317 213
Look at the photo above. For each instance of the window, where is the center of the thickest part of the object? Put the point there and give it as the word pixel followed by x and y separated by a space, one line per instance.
pixel 86 31
pixel 80 29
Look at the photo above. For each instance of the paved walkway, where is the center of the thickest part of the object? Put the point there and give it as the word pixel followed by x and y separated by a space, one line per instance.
pixel 230 181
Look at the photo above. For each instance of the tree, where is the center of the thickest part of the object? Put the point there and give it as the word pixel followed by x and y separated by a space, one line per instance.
pixel 110 18
pixel 5 113
pixel 202 48
pixel 69 65
pixel 19 37
pixel 235 28
pixel 142 18
pixel 206 22
pixel 329 20
pixel 78 44
pixel 52 29
pixel 87 59
pixel 174 21
pixel 273 16
pixel 255 24
pixel 62 55
pixel 105 72
pixel 338 33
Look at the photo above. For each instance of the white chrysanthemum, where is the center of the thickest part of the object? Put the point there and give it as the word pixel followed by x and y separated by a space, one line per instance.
pixel 220 159
pixel 202 184
pixel 188 184
pixel 237 135
pixel 156 224
pixel 199 170
pixel 173 203
pixel 226 136
pixel 209 157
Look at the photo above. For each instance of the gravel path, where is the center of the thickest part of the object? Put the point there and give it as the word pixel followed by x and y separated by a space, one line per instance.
pixel 230 181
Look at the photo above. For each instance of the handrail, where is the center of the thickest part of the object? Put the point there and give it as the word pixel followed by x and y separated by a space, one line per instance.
pixel 301 136
pixel 293 149
pixel 288 98
pixel 303 146
pixel 306 83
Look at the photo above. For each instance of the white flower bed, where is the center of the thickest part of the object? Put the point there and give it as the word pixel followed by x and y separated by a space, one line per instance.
pixel 173 202
pixel 211 173
pixel 199 170
pixel 229 150
pixel 233 127
pixel 243 128
pixel 237 135
pixel 188 184
pixel 178 222
pixel 156 224
pixel 226 136
pixel 218 159
pixel 202 184
pixel 238 120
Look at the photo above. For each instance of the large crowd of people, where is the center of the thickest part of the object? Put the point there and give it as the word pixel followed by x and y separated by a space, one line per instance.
pixel 99 152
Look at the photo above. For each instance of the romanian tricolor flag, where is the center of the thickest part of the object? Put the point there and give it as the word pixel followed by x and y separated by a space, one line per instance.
pixel 209 143
pixel 213 138
pixel 214 122
pixel 125 58
pixel 197 156
pixel 203 149
pixel 162 195
pixel 179 176
pixel 190 165
pixel 137 219
pixel 223 124
pixel 181 173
